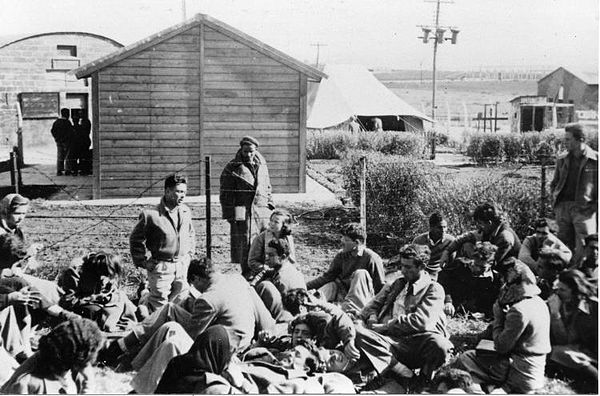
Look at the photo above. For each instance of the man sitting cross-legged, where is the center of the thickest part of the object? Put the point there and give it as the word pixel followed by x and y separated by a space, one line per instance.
pixel 227 300
pixel 405 322
pixel 355 275
pixel 277 278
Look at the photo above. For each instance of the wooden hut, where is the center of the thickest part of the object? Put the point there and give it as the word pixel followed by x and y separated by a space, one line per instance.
pixel 164 103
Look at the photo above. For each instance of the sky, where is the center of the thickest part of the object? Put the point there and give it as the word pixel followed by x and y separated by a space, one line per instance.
pixel 503 34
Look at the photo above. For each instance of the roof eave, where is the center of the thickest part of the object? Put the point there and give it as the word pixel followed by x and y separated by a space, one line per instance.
pixel 87 70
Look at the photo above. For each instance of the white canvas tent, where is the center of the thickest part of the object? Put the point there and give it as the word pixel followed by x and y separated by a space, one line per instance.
pixel 351 90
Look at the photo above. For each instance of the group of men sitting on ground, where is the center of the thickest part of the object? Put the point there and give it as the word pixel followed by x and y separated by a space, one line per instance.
pixel 273 332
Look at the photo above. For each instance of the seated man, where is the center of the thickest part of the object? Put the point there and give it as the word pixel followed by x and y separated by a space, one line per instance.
pixel 550 264
pixel 543 238
pixel 227 300
pixel 574 329
pixel 491 227
pixel 355 275
pixel 515 357
pixel 481 283
pixel 588 264
pixel 436 239
pixel 278 278
pixel 405 322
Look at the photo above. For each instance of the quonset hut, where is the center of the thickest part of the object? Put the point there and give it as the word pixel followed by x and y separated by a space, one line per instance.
pixel 160 105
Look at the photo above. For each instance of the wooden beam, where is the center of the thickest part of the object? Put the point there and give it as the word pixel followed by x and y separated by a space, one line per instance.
pixel 302 134
pixel 201 106
pixel 96 128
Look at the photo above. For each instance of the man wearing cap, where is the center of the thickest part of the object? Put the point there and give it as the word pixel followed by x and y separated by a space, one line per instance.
pixel 574 190
pixel 245 197
pixel 167 232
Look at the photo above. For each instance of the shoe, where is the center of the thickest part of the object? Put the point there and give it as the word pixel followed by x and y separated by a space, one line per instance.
pixel 59 173
pixel 74 173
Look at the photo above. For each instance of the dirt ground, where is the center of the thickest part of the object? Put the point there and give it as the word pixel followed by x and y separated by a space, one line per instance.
pixel 67 232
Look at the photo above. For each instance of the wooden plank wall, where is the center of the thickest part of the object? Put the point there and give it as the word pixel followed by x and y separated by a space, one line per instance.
pixel 248 93
pixel 149 118
pixel 154 104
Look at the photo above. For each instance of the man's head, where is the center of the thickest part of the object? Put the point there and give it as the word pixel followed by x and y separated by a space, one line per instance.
pixel 483 258
pixel 574 138
pixel 413 260
pixel 300 330
pixel 311 325
pixel 488 217
pixel 175 190
pixel 437 226
pixel 591 249
pixel 550 263
pixel 248 148
pixel 65 113
pixel 14 208
pixel 353 237
pixel 200 273
pixel 294 300
pixel 276 252
pixel 542 230
pixel 452 378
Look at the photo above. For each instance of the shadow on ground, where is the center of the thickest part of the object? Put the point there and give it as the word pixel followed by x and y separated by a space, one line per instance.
pixel 33 191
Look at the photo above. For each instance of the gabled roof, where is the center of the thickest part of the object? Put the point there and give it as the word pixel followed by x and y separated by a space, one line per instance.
pixel 351 90
pixel 14 38
pixel 221 27
pixel 588 77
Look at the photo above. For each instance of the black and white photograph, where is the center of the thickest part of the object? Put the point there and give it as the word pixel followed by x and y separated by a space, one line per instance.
pixel 299 196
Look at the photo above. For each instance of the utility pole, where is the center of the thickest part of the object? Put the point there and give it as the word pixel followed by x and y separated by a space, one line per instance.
pixel 183 10
pixel 438 38
pixel 318 45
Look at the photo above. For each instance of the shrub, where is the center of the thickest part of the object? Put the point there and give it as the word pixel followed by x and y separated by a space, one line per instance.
pixel 332 144
pixel 401 193
pixel 511 144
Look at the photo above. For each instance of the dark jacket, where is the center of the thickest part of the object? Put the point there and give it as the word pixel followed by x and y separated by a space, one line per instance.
pixel 587 183
pixel 504 237
pixel 62 131
pixel 243 185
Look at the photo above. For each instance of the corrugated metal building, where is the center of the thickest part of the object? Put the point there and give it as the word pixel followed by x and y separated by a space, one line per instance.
pixel 161 104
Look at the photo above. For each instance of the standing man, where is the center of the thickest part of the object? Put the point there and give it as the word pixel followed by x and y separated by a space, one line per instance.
pixel 167 233
pixel 574 190
pixel 246 199
pixel 62 132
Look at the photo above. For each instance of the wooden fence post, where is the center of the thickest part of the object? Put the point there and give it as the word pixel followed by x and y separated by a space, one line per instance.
pixel 363 192
pixel 543 191
pixel 208 208
pixel 13 171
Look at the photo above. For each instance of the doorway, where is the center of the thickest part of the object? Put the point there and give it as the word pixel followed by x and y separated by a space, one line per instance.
pixel 528 123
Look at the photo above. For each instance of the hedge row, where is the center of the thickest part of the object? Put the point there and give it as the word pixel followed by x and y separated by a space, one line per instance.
pixel 513 147
pixel 402 193
pixel 332 144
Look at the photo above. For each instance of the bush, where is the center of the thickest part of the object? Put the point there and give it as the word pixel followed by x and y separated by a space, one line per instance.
pixel 401 193
pixel 332 144
pixel 511 147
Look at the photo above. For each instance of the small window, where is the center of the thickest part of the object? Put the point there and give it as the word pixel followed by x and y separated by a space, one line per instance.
pixel 67 50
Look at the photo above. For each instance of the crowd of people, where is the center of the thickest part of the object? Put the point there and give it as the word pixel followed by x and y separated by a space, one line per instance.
pixel 268 329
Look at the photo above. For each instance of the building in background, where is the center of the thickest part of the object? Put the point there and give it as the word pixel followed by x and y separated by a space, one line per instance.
pixel 34 73
pixel 538 113
pixel 567 86
pixel 162 104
